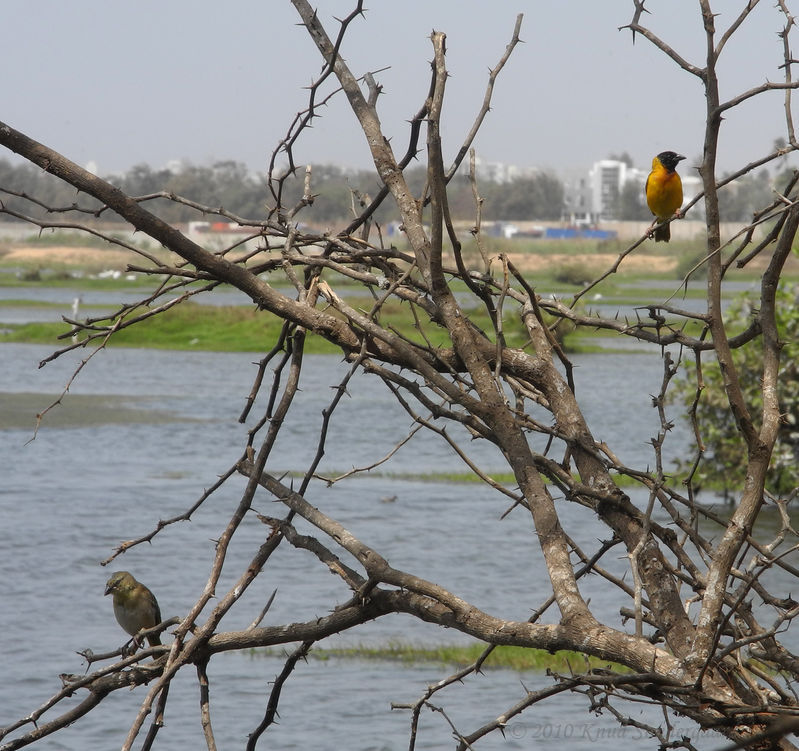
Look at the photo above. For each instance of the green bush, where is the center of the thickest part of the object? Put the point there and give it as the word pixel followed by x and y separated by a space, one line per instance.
pixel 573 273
pixel 723 464
pixel 30 275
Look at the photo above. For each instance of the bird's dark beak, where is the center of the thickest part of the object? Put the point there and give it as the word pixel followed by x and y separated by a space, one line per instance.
pixel 107 591
pixel 679 157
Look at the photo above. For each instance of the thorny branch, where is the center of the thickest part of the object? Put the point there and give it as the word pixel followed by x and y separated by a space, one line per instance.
pixel 699 645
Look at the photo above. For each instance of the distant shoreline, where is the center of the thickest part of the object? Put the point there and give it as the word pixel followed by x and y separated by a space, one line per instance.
pixel 100 258
pixel 530 256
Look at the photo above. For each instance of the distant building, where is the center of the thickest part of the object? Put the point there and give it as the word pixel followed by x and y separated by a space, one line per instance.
pixel 607 177
pixel 578 205
pixel 497 172
pixel 691 187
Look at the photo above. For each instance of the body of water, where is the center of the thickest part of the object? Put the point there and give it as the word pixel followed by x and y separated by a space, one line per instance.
pixel 142 433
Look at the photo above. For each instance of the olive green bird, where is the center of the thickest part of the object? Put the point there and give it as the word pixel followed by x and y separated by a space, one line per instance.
pixel 135 606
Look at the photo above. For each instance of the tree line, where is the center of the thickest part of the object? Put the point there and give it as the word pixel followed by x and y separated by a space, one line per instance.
pixel 337 192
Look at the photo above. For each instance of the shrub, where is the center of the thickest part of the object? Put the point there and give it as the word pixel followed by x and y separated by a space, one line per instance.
pixel 723 464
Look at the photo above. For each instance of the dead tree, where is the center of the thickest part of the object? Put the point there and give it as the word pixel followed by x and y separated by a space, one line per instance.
pixel 716 662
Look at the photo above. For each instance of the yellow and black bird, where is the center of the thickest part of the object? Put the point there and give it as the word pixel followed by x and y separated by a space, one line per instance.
pixel 135 606
pixel 664 191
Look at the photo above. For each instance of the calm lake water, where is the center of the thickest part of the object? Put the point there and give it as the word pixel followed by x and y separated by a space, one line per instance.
pixel 139 437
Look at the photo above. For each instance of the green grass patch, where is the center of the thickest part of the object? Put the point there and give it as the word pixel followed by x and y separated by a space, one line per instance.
pixel 33 333
pixel 245 329
pixel 503 478
pixel 49 239
pixel 519 659
pixel 239 329
pixel 185 327
pixel 63 278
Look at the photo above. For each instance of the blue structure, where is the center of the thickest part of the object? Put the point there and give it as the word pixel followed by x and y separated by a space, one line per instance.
pixel 570 233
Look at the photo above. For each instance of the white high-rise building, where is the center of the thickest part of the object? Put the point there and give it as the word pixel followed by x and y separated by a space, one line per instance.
pixel 606 179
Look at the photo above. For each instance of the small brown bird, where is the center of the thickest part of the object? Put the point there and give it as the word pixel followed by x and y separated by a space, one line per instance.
pixel 135 606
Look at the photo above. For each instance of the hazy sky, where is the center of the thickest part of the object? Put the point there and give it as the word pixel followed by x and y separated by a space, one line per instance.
pixel 151 81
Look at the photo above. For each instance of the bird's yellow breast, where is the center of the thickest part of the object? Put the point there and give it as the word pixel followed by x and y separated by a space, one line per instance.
pixel 663 190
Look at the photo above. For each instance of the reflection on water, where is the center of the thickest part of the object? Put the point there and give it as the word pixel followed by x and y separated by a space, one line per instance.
pixel 141 433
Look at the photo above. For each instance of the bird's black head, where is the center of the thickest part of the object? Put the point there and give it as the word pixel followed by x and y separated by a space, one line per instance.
pixel 669 159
